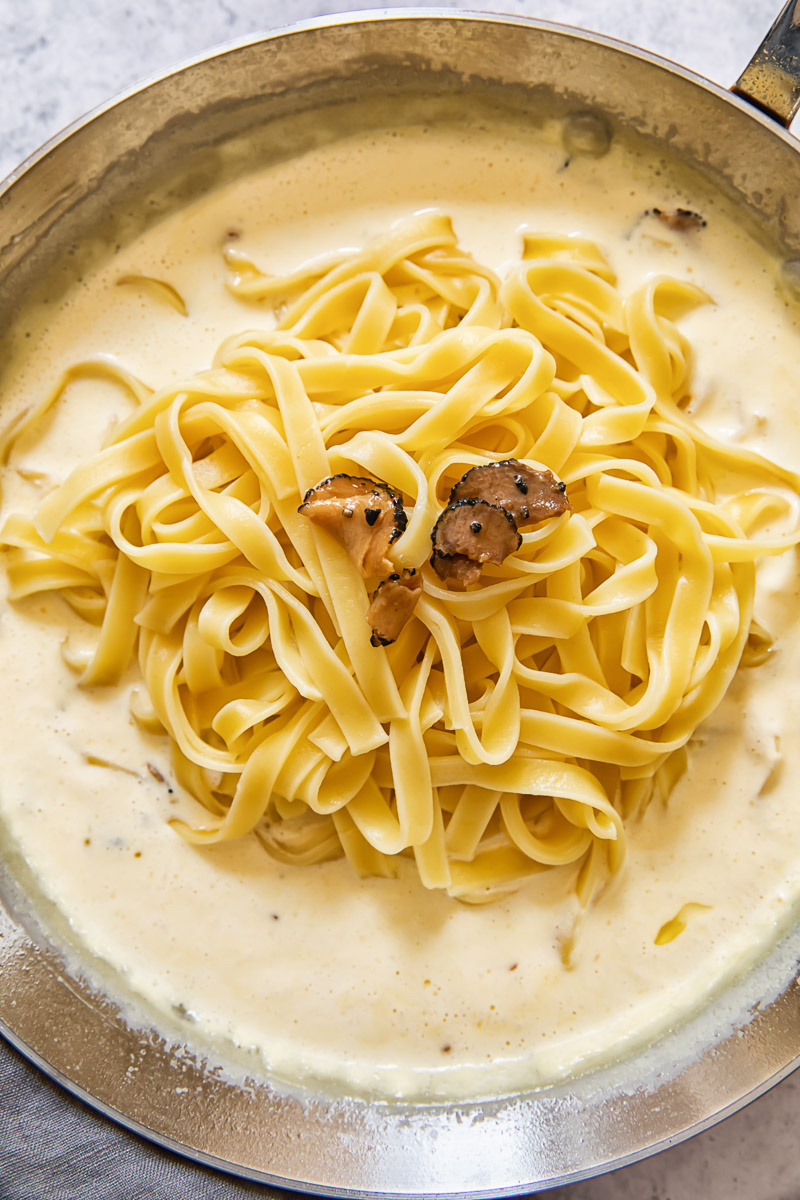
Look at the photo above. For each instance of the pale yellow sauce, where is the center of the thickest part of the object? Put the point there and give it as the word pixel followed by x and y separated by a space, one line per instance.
pixel 380 986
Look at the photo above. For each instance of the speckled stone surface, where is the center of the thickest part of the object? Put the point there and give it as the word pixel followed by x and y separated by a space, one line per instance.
pixel 59 58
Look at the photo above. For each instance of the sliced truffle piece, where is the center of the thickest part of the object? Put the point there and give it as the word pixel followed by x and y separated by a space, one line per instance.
pixel 393 602
pixel 527 494
pixel 366 517
pixel 681 220
pixel 468 534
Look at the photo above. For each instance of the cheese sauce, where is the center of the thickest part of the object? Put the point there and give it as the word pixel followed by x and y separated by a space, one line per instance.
pixel 377 986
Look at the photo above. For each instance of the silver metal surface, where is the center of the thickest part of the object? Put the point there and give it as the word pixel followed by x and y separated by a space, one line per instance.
pixel 772 77
pixel 161 144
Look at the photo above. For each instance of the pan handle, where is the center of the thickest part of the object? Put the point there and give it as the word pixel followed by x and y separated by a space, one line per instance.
pixel 771 80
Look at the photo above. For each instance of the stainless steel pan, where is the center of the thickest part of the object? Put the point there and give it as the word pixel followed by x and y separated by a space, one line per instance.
pixel 183 132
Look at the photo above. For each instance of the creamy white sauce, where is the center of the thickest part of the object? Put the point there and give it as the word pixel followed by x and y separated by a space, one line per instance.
pixel 379 986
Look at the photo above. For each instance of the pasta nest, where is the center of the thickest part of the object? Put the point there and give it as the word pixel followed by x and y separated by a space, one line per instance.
pixel 512 728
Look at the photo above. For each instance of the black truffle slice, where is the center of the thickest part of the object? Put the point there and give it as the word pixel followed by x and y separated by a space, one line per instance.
pixel 366 517
pixel 468 534
pixel 393 602
pixel 681 220
pixel 529 495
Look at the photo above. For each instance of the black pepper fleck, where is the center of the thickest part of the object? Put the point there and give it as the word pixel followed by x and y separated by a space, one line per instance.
pixel 371 515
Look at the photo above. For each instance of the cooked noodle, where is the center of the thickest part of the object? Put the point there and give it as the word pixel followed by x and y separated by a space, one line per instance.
pixel 510 728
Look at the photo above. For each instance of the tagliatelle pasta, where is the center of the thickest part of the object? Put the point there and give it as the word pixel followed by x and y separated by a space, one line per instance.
pixel 512 727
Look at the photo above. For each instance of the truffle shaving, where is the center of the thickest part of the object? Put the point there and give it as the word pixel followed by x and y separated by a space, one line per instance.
pixel 468 534
pixel 526 493
pixel 393 602
pixel 365 516
pixel 680 220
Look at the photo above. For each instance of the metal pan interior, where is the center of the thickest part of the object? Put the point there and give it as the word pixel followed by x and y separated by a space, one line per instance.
pixel 146 154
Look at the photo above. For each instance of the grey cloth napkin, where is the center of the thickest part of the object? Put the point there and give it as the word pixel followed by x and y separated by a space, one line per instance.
pixel 53 1147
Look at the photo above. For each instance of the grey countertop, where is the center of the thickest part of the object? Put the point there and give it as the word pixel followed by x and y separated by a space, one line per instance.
pixel 59 58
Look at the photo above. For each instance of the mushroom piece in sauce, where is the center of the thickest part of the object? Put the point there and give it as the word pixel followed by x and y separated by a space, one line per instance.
pixel 469 533
pixel 393 602
pixel 365 516
pixel 528 494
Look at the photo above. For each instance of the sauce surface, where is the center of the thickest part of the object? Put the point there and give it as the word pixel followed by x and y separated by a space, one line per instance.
pixel 380 986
